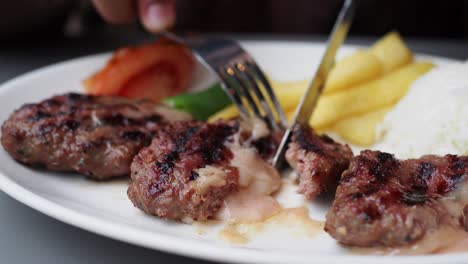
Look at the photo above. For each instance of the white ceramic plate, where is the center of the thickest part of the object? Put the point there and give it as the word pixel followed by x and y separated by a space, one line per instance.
pixel 103 208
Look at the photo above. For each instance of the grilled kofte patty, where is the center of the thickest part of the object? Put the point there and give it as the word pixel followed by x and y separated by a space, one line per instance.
pixel 166 175
pixel 190 169
pixel 318 160
pixel 382 201
pixel 94 135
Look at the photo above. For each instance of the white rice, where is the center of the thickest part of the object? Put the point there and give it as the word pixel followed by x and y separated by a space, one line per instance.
pixel 432 118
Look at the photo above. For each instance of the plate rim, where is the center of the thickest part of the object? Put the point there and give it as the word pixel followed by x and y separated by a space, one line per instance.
pixel 181 246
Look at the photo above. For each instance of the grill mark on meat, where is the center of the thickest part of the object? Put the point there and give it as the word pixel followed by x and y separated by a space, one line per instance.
pixel 194 175
pixel 134 135
pixel 45 129
pixel 165 167
pixel 423 176
pixel 76 97
pixel 302 137
pixel 93 135
pixel 458 165
pixel 216 151
pixel 425 170
pixel 266 146
pixel 118 119
pixel 384 166
pixel 211 155
pixel 40 115
pixel 153 118
pixel 69 111
pixel 50 103
pixel 382 201
pixel 327 139
pixel 71 124
pixel 170 158
pixel 184 137
pixel 414 196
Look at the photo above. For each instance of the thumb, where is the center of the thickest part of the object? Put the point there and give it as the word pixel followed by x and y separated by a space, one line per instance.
pixel 157 15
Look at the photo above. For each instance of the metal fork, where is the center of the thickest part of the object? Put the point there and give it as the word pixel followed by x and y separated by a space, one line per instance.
pixel 240 76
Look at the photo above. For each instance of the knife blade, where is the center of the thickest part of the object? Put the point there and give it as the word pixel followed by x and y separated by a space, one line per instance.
pixel 308 102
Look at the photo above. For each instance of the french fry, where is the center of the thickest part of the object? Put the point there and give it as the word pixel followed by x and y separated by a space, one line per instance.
pixel 357 68
pixel 387 54
pixel 278 86
pixel 362 82
pixel 290 115
pixel 288 94
pixel 391 51
pixel 226 114
pixel 367 97
pixel 350 102
pixel 360 130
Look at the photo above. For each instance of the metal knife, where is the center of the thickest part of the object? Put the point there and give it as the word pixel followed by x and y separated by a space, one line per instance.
pixel 307 105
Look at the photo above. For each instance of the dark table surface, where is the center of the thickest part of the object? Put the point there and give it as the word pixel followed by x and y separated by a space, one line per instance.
pixel 28 236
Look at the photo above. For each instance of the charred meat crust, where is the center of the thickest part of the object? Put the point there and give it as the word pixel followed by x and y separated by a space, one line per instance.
pixel 165 178
pixel 93 135
pixel 382 201
pixel 267 146
pixel 318 160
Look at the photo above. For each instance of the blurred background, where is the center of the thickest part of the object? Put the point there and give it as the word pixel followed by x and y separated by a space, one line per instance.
pixel 35 33
pixel 34 19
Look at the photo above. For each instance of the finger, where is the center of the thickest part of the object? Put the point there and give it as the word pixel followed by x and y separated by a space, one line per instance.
pixel 157 15
pixel 116 11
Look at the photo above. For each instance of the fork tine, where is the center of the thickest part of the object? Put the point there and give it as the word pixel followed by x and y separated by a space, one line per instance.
pixel 258 72
pixel 252 84
pixel 232 92
pixel 244 90
pixel 219 54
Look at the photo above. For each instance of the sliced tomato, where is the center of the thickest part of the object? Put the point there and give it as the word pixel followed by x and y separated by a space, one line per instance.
pixel 151 71
pixel 155 83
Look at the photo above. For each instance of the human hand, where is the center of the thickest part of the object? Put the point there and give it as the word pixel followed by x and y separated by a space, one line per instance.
pixel 155 15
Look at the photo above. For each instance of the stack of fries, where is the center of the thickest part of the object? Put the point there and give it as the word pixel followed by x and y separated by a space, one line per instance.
pixel 361 89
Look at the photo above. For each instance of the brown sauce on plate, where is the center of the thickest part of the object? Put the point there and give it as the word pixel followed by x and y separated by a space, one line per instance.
pixel 295 221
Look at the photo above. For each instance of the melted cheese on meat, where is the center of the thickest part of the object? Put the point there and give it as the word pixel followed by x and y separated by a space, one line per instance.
pixel 456 201
pixel 209 176
pixel 255 173
pixel 258 181
pixel 259 129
